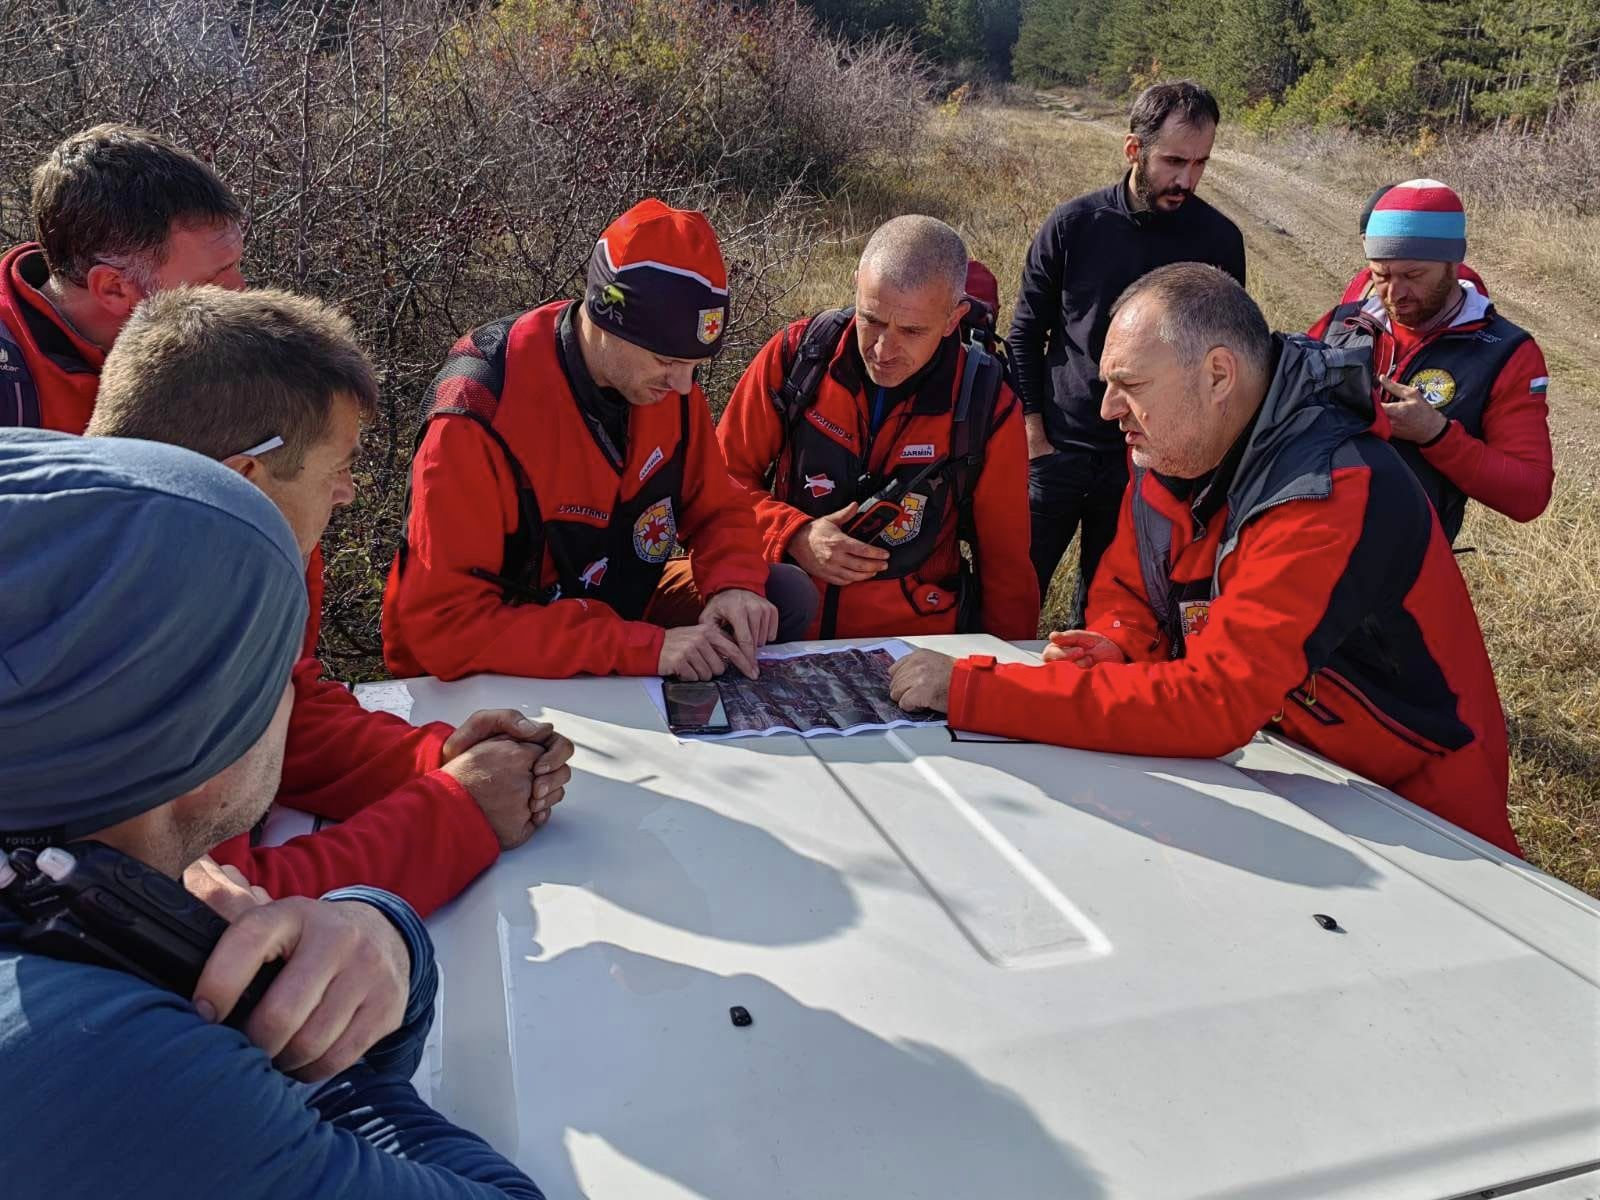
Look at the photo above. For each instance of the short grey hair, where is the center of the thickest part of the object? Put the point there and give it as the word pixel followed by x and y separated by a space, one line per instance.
pixel 1201 308
pixel 913 251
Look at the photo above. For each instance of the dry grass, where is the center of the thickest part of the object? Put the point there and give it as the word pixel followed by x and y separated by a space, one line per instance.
pixel 1546 236
pixel 994 173
pixel 1538 593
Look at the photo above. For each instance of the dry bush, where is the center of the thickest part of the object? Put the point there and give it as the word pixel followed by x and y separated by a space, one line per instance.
pixel 432 164
pixel 1553 170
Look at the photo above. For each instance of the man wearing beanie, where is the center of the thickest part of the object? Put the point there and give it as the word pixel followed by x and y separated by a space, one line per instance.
pixel 565 454
pixel 276 387
pixel 1360 285
pixel 149 714
pixel 1465 387
pixel 885 407
pixel 119 214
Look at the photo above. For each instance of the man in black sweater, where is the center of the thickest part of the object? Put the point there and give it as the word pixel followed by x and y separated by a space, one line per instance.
pixel 1086 253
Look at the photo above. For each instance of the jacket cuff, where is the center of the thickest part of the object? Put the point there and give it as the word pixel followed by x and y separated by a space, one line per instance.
pixel 466 816
pixel 1446 439
pixel 1134 644
pixel 430 751
pixel 783 533
pixel 641 651
pixel 424 976
pixel 965 680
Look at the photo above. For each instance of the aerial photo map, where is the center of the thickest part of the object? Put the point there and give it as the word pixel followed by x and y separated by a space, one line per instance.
pixel 839 689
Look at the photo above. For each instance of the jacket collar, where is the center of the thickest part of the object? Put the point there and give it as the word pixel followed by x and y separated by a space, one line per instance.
pixel 1320 397
pixel 22 274
pixel 1475 311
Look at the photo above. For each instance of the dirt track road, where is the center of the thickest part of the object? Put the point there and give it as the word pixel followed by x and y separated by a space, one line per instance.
pixel 1300 242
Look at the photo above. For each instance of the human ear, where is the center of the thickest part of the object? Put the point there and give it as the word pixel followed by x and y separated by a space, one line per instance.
pixel 247 465
pixel 961 310
pixel 113 291
pixel 1221 372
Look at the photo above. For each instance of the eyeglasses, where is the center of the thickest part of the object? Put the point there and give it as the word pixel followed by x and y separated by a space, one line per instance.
pixel 272 443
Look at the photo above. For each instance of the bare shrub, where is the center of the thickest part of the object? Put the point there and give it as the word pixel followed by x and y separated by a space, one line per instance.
pixel 1555 169
pixel 432 164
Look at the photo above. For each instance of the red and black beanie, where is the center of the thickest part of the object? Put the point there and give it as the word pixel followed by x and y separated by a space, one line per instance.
pixel 656 279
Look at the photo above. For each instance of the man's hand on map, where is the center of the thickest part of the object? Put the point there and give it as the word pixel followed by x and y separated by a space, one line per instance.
pixel 921 680
pixel 1082 647
pixel 701 652
pixel 826 551
pixel 751 620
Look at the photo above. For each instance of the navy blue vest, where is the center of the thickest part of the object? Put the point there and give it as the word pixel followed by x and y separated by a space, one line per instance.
pixel 1456 372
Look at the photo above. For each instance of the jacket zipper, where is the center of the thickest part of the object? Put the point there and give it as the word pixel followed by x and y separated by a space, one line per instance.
pixel 1388 722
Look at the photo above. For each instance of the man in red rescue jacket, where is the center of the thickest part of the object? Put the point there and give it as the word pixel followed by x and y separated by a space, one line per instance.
pixel 1466 387
pixel 119 214
pixel 1276 565
pixel 275 387
pixel 565 454
pixel 875 441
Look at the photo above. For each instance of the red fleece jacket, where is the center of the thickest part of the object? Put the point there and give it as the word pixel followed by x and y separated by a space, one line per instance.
pixel 408 827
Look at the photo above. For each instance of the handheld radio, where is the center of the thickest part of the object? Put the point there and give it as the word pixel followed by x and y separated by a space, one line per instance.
pixel 89 903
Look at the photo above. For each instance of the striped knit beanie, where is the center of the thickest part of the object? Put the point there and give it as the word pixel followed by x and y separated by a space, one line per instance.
pixel 657 279
pixel 1421 219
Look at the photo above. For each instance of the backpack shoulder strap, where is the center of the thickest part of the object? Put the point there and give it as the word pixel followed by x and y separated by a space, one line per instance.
pixel 807 361
pixel 19 396
pixel 470 385
pixel 981 377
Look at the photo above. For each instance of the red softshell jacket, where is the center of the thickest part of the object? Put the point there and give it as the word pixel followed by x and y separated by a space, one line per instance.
pixel 407 826
pixel 1318 591
pixel 439 619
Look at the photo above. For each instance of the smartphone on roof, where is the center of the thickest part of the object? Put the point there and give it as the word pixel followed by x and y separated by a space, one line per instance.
pixel 694 707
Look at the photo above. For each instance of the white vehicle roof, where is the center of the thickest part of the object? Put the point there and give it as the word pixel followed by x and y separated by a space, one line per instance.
pixel 1004 970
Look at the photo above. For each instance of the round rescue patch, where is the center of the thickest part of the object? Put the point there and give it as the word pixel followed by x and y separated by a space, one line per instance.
pixel 655 532
pixel 909 523
pixel 1438 387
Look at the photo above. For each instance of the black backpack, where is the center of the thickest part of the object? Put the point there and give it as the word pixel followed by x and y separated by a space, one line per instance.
pixel 807 361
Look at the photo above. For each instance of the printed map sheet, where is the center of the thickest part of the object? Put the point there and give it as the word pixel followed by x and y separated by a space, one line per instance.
pixel 812 693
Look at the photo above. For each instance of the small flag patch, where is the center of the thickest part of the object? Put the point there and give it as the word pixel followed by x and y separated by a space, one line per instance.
pixel 1540 385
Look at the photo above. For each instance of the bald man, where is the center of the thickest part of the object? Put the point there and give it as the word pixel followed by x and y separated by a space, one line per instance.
pixel 875 443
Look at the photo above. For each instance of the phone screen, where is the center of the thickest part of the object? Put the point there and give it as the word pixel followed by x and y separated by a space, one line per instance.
pixel 694 707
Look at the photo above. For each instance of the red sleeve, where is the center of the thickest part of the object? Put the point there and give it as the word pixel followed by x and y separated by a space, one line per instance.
pixel 1234 675
pixel 1000 513
pixel 451 623
pixel 1116 607
pixel 719 527
pixel 1511 469
pixel 339 757
pixel 751 433
pixel 424 842
pixel 1320 329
